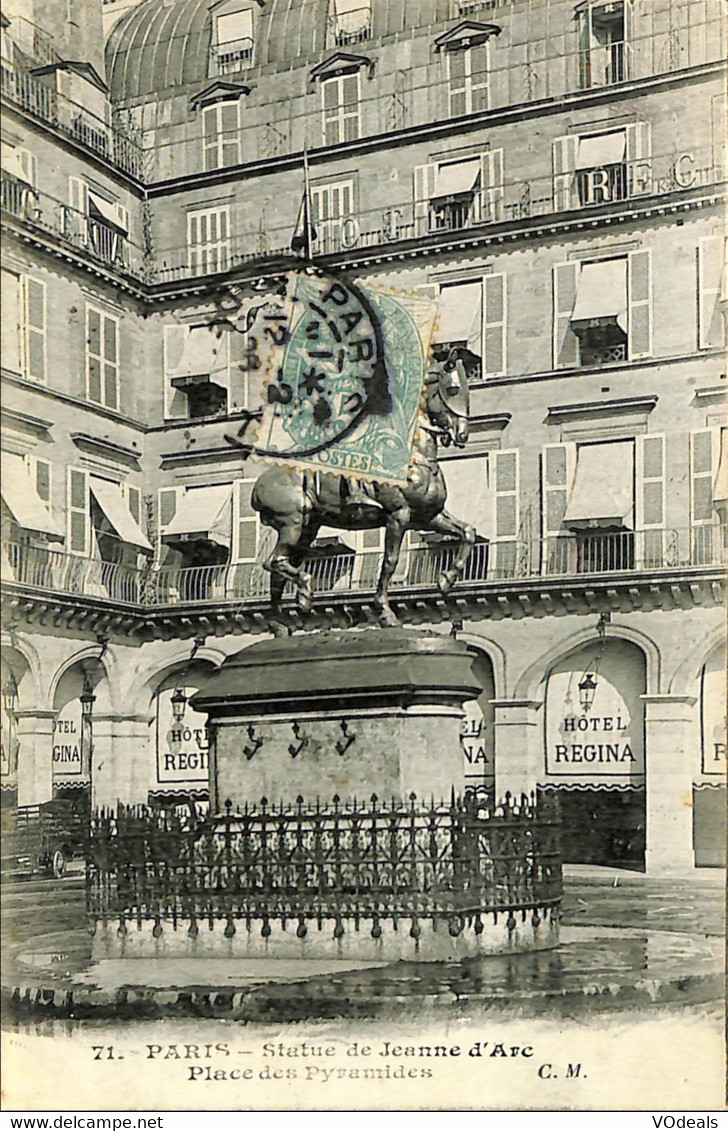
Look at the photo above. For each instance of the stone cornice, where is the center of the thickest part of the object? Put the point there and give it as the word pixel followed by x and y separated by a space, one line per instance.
pixel 603 408
pixel 96 446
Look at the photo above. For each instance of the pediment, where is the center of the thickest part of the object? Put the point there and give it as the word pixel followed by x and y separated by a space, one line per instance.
pixel 465 34
pixel 340 63
pixel 219 91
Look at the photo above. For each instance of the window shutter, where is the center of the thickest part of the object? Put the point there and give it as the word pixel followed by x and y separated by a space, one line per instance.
pixel 493 189
pixel 704 456
pixel 79 518
pixel 638 149
pixel 175 401
pixel 565 343
pixel 34 344
pixel 93 355
pixel 424 187
pixel 639 290
pixel 134 500
pixel 111 362
pixel 628 33
pixel 42 476
pixel 504 478
pixel 78 200
pixel 29 165
pixel 558 464
pixel 650 501
pixel 563 159
pixel 711 267
pixel 246 523
pixel 494 325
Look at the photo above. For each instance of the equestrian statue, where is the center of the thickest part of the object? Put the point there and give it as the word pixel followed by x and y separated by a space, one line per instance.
pixel 296 504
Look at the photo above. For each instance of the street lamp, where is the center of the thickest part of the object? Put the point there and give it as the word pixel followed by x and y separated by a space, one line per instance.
pixel 87 709
pixel 10 703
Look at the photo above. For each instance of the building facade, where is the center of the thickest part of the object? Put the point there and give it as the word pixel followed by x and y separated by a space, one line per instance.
pixel 554 175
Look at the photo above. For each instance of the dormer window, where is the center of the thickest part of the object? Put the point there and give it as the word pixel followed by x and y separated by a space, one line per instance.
pixel 339 76
pixel 232 39
pixel 467 53
pixel 350 21
pixel 604 42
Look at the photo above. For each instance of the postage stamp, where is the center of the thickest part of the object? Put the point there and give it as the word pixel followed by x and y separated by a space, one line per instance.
pixel 343 368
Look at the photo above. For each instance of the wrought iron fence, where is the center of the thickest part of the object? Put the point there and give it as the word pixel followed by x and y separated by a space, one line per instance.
pixel 41 568
pixel 341 861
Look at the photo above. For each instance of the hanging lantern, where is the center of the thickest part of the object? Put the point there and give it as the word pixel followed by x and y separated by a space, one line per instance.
pixel 179 703
pixel 587 688
pixel 10 696
pixel 87 699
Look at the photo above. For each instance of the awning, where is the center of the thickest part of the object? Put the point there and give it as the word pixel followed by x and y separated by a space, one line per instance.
pixel 603 491
pixel 460 315
pixel 602 292
pixel 353 15
pixel 600 150
pixel 456 178
pixel 113 504
pixel 234 26
pixel 468 495
pixel 23 501
pixel 12 164
pixel 720 489
pixel 204 513
pixel 104 210
pixel 200 353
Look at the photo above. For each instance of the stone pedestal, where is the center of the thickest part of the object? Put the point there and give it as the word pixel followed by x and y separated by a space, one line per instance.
pixel 669 782
pixel 346 713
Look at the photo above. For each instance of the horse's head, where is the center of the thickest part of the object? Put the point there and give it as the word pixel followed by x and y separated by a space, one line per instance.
pixel 447 398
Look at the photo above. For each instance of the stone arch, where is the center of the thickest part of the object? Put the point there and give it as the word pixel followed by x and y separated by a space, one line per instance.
pixel 687 674
pixel 29 655
pixel 100 670
pixel 529 684
pixel 495 654
pixel 155 672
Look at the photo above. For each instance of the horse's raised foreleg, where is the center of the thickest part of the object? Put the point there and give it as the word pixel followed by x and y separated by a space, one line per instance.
pixel 281 565
pixel 394 533
pixel 443 523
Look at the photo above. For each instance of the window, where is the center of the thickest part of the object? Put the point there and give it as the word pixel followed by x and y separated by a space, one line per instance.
pixel 712 282
pixel 472 319
pixel 605 50
pixel 456 194
pixel 208 239
pixel 468 79
pixel 708 494
pixel 100 224
pixel 197 372
pixel 20 170
pixel 600 168
pixel 102 358
pixel 340 103
pixel 104 519
pixel 12 321
pixel 221 135
pixel 24 325
pixel 196 523
pixel 350 21
pixel 232 47
pixel 603 505
pixel 602 310
pixel 331 204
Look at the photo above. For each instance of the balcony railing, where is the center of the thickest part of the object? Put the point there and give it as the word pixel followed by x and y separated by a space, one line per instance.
pixel 46 214
pixel 231 56
pixel 57 571
pixel 522 199
pixel 565 556
pixel 43 102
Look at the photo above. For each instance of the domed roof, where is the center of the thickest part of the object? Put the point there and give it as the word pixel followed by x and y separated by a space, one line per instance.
pixel 162 44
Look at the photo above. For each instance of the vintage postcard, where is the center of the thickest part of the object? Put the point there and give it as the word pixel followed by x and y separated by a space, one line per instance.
pixel 364 500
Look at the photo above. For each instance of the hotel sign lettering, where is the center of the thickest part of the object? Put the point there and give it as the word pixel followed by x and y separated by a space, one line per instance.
pixel 68 744
pixel 182 745
pixel 476 740
pixel 603 740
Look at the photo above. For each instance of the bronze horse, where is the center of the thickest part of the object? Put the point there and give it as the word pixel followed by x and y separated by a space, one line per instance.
pixel 297 503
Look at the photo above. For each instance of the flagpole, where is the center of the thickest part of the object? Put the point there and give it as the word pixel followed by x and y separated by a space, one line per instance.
pixel 306 202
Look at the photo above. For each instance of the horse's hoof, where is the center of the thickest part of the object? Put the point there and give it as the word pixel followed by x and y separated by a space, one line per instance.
pixel 445 582
pixel 388 619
